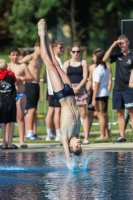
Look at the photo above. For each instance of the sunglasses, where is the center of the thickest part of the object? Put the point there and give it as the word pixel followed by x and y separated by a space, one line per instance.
pixel 75 51
pixel 61 48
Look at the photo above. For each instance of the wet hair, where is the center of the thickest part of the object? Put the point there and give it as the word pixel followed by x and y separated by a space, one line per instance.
pixel 3 64
pixel 123 37
pixel 14 49
pixel 37 44
pixel 56 43
pixel 77 152
pixel 22 52
pixel 99 55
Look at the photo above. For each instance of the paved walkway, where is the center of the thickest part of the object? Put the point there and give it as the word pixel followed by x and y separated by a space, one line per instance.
pixel 44 147
pixel 108 147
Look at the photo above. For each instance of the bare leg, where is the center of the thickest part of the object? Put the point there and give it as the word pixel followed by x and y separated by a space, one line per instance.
pixel 100 105
pixel 90 118
pixel 121 122
pixel 35 124
pixel 4 135
pixel 46 51
pixel 30 118
pixel 65 78
pixel 131 116
pixel 107 131
pixel 21 103
pixel 25 123
pixel 49 122
pixel 57 115
pixel 9 133
pixel 49 117
pixel 83 114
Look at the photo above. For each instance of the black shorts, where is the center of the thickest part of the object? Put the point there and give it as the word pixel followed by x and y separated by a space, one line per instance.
pixel 123 99
pixel 90 107
pixel 8 112
pixel 53 102
pixel 105 99
pixel 32 91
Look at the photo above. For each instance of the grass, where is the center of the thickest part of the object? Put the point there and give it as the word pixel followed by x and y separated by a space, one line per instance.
pixel 43 106
pixel 92 139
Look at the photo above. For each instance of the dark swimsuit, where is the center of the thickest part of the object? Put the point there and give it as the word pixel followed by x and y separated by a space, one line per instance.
pixel 65 92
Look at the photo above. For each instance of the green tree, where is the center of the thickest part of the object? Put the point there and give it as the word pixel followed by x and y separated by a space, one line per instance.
pixel 106 19
pixel 24 18
pixel 5 10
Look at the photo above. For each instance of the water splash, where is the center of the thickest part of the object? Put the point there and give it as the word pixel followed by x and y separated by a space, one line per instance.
pixel 78 163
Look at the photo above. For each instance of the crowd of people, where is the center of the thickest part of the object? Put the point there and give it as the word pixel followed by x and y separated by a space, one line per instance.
pixel 75 90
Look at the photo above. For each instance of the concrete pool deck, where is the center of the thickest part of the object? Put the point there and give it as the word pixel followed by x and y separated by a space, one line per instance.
pixel 50 147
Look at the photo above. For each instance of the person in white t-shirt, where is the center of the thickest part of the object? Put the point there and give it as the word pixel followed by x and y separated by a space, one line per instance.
pixel 54 109
pixel 100 90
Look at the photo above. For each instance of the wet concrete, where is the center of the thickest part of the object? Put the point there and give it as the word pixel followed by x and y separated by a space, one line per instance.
pixel 108 147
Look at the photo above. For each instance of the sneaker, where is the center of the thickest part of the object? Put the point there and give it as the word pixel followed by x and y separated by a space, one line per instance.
pixel 36 137
pixel 31 138
pixel 85 142
pixel 47 138
pixel 52 136
pixel 120 139
pixel 57 139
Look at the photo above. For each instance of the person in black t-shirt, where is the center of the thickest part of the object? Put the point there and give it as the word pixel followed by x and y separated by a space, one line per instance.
pixel 122 93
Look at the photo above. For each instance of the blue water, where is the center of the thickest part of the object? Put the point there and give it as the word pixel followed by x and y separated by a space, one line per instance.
pixel 44 176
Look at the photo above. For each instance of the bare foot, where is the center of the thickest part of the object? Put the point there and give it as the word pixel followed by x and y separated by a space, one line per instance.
pixel 41 27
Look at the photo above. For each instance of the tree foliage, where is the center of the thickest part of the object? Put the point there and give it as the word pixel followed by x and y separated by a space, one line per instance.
pixel 92 23
pixel 5 9
pixel 24 18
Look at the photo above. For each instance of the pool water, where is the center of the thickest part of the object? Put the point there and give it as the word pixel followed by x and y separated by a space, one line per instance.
pixel 44 176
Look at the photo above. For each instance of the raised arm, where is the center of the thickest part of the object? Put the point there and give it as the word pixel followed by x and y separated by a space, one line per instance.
pixel 26 59
pixel 110 78
pixel 106 57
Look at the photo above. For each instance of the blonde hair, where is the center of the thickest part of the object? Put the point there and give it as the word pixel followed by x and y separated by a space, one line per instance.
pixel 3 64
pixel 56 43
pixel 123 37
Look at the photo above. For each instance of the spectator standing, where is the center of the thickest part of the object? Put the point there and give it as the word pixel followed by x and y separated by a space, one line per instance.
pixel 32 89
pixel 100 79
pixel 7 104
pixel 91 109
pixel 22 74
pixel 77 72
pixel 122 94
